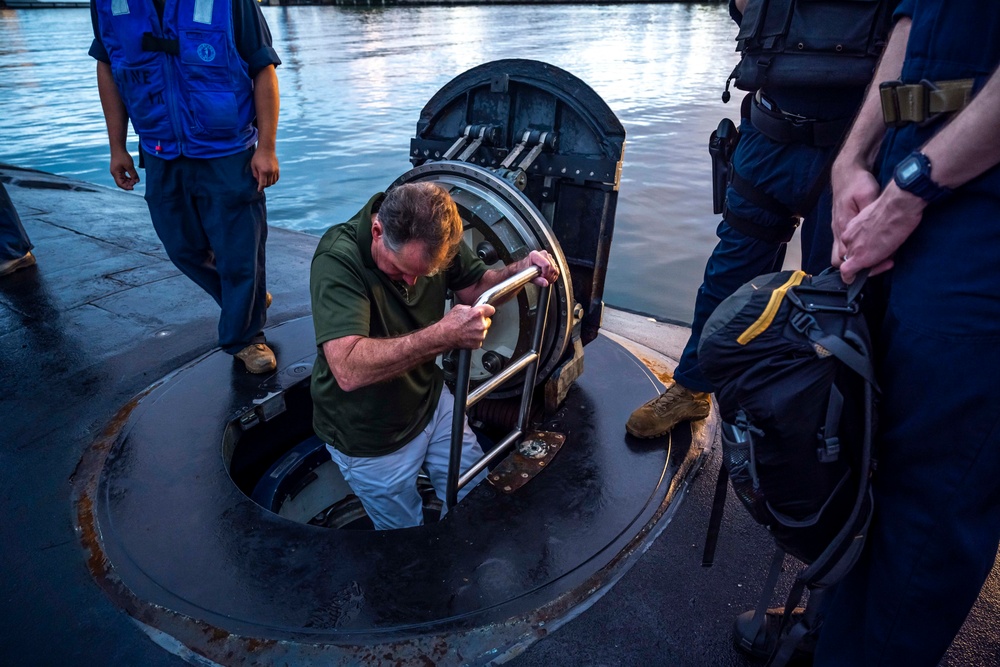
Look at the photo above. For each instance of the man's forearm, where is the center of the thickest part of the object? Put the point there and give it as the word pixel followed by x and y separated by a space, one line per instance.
pixel 357 361
pixel 115 115
pixel 862 143
pixel 267 104
pixel 541 259
pixel 970 143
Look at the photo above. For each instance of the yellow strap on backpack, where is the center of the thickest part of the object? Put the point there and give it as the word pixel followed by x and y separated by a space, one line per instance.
pixel 765 319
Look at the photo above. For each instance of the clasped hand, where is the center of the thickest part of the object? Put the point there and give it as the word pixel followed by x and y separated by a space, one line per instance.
pixel 869 226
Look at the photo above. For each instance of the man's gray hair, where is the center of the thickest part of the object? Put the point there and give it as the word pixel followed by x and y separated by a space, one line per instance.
pixel 423 212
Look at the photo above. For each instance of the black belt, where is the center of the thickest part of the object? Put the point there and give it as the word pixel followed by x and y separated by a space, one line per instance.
pixel 790 129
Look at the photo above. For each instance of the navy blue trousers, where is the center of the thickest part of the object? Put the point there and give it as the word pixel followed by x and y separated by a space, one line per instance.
pixel 14 242
pixel 213 224
pixel 936 526
pixel 787 173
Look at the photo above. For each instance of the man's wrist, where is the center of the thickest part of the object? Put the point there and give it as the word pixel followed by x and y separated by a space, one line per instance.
pixel 913 175
pixel 901 200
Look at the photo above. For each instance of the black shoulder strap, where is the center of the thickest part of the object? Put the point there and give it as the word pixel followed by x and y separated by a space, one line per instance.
pixel 760 613
pixel 790 640
pixel 838 555
pixel 715 520
pixel 857 362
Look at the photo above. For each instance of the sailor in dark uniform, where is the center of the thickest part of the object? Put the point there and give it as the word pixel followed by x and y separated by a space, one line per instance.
pixel 932 216
pixel 807 86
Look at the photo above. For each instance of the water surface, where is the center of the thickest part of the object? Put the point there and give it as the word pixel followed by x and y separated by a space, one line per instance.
pixel 353 82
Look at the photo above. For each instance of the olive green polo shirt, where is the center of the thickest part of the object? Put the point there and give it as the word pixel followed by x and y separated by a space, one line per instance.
pixel 352 297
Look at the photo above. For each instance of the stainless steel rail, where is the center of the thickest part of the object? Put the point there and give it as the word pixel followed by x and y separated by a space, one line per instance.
pixel 463 400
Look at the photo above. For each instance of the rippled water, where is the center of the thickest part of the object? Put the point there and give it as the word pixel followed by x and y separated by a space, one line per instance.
pixel 352 85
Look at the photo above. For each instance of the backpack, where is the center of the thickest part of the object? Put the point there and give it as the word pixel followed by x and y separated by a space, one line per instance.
pixel 790 357
pixel 801 43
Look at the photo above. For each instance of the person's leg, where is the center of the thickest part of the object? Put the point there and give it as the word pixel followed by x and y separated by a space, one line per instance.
pixel 439 449
pixel 387 485
pixel 816 238
pixel 234 218
pixel 736 259
pixel 935 533
pixel 177 223
pixel 936 522
pixel 14 241
pixel 782 172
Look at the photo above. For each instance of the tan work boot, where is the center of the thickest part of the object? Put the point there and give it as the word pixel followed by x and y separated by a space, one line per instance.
pixel 258 358
pixel 12 265
pixel 660 415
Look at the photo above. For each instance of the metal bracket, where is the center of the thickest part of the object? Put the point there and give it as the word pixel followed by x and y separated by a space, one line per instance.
pixel 266 408
pixel 457 146
pixel 538 141
pixel 481 133
pixel 474 146
pixel 527 460
pixel 517 150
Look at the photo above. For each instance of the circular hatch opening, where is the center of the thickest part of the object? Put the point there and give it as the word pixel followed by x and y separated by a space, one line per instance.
pixel 285 468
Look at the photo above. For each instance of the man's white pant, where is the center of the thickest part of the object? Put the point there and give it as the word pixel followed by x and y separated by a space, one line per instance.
pixel 387 485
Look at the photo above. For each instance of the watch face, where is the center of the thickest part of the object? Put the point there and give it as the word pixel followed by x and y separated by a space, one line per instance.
pixel 908 170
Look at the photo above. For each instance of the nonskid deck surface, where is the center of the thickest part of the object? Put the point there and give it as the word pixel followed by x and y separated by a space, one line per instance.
pixel 497 572
pixel 104 315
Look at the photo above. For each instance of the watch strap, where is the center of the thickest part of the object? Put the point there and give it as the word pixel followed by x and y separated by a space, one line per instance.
pixel 921 185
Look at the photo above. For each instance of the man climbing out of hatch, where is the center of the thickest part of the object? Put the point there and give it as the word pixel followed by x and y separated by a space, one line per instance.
pixel 926 205
pixel 197 80
pixel 799 108
pixel 379 284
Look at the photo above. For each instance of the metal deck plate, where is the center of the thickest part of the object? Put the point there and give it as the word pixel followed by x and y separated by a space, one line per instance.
pixel 535 451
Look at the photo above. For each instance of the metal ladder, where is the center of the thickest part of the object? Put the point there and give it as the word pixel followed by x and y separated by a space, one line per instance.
pixel 464 400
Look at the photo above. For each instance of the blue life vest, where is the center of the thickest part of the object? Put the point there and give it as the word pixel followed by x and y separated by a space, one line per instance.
pixel 185 87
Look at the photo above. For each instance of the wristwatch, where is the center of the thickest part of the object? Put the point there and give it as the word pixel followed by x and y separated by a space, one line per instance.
pixel 913 174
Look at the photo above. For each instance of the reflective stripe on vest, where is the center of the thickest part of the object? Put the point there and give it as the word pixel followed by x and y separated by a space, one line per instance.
pixel 203 11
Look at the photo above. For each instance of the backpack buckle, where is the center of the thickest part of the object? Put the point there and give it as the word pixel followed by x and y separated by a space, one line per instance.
pixel 802 321
pixel 829 451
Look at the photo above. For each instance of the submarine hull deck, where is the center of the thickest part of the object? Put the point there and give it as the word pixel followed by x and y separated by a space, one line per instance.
pixel 105 315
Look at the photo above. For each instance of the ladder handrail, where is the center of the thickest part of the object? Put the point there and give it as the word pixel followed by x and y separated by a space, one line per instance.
pixel 529 362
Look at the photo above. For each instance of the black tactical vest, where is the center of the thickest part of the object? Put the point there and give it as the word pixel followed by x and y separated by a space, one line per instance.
pixel 811 43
